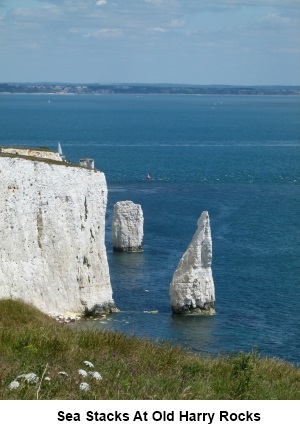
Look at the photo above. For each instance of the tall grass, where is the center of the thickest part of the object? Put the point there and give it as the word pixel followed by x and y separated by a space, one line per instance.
pixel 127 367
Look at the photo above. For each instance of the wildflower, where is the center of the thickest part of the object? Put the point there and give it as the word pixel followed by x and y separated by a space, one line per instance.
pixel 47 378
pixel 31 378
pixel 88 363
pixel 13 385
pixel 134 372
pixel 63 373
pixel 96 375
pixel 82 372
pixel 84 386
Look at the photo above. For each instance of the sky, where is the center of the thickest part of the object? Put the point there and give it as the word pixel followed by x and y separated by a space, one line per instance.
pixel 202 42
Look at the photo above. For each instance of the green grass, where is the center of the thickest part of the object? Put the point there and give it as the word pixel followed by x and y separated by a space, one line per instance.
pixel 131 368
pixel 31 148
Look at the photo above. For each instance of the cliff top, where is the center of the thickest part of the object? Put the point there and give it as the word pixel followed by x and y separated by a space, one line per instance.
pixel 29 148
pixel 40 154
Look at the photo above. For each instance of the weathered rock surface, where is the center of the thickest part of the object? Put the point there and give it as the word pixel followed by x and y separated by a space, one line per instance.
pixel 192 287
pixel 52 231
pixel 127 227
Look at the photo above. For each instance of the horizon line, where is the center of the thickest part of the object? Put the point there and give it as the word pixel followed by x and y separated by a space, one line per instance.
pixel 143 83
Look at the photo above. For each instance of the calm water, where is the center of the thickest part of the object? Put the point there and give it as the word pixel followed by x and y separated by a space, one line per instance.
pixel 238 158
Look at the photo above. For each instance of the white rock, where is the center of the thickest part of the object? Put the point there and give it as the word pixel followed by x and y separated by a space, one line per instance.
pixel 52 236
pixel 127 227
pixel 192 287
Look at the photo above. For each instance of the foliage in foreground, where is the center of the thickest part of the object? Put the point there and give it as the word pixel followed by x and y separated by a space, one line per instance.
pixel 42 359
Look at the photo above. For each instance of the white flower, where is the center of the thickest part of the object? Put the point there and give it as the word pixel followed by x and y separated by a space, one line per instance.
pixel 84 386
pixel 63 373
pixel 47 378
pixel 88 363
pixel 96 375
pixel 82 372
pixel 13 385
pixel 31 378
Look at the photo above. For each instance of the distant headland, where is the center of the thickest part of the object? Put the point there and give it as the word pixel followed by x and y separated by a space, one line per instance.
pixel 139 89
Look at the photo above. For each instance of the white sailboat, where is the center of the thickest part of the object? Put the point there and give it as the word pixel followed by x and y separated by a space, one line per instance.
pixel 59 150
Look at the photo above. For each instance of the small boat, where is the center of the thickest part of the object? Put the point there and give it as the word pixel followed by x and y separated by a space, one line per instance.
pixel 59 150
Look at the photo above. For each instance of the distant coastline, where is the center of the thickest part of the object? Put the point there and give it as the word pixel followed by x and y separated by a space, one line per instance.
pixel 144 89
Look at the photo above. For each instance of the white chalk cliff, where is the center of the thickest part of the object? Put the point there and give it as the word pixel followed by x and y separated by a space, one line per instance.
pixel 127 227
pixel 192 287
pixel 52 231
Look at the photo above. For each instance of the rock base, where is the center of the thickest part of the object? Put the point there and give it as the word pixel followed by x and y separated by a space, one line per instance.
pixel 101 310
pixel 189 310
pixel 128 249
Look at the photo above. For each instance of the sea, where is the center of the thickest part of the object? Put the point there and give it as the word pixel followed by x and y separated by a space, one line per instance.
pixel 237 157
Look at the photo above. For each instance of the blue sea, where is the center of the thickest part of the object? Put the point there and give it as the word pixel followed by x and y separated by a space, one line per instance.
pixel 238 157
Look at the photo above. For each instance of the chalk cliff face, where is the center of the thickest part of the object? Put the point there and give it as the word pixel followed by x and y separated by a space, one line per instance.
pixel 127 227
pixel 52 229
pixel 192 287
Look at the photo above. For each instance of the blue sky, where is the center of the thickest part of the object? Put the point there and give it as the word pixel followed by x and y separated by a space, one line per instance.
pixel 238 42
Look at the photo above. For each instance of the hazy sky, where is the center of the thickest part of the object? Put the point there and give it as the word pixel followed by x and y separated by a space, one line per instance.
pixel 244 42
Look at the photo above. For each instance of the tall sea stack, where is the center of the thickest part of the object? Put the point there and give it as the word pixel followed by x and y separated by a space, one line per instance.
pixel 192 287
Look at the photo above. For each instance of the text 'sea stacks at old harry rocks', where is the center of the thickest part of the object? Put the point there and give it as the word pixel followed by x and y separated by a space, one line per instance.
pixel 192 287
pixel 52 233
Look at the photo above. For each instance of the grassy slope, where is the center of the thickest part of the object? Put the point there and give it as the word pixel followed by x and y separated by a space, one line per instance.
pixel 130 368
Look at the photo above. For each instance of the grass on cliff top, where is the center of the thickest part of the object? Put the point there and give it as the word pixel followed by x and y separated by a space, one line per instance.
pixel 35 348
pixel 31 148
pixel 45 160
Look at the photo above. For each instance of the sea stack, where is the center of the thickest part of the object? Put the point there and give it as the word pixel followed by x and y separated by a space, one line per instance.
pixel 192 287
pixel 52 233
pixel 127 227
